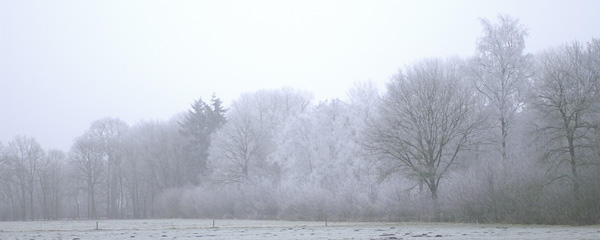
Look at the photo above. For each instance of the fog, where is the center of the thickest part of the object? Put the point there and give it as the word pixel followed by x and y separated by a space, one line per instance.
pixel 343 111
pixel 74 62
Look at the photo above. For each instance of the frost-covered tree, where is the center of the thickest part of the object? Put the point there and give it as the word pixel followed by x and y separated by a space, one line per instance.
pixel 10 196
pixel 499 70
pixel 139 177
pixel 87 159
pixel 566 93
pixel 239 148
pixel 153 164
pixel 364 101
pixel 51 181
pixel 426 118
pixel 317 157
pixel 6 196
pixel 319 145
pixel 24 158
pixel 161 148
pixel 110 133
pixel 242 149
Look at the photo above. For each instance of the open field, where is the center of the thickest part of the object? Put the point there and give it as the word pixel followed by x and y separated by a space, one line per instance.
pixel 247 229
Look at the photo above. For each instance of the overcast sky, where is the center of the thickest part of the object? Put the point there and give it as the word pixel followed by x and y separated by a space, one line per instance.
pixel 64 64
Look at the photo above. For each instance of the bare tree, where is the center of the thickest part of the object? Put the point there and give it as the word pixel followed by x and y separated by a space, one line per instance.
pixel 241 149
pixel 426 119
pixel 109 133
pixel 50 181
pixel 88 159
pixel 7 196
pixel 364 100
pixel 155 165
pixel 566 92
pixel 499 70
pixel 137 173
pixel 237 148
pixel 316 147
pixel 25 156
pixel 11 190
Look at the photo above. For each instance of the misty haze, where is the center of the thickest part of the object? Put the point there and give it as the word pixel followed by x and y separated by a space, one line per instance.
pixel 334 120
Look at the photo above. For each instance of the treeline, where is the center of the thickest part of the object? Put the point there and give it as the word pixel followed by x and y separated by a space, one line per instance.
pixel 504 137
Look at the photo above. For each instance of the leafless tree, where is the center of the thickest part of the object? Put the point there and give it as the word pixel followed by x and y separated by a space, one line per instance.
pixel 24 156
pixel 109 134
pixel 364 100
pixel 87 157
pixel 237 146
pixel 8 187
pixel 243 146
pixel 499 70
pixel 566 93
pixel 50 181
pixel 426 119
pixel 154 163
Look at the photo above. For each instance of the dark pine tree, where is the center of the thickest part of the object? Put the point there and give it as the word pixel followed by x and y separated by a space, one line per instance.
pixel 201 121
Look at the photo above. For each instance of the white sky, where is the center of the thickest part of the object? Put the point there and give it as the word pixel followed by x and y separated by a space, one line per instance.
pixel 64 64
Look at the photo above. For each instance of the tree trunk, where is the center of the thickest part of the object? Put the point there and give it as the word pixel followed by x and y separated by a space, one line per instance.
pixel 493 196
pixel 24 205
pixel 93 205
pixel 31 204
pixel 436 205
pixel 577 203
pixel 504 136
pixel 433 188
pixel 92 202
pixel 109 188
pixel 573 162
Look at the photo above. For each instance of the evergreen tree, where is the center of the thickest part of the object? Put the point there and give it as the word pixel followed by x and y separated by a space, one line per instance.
pixel 198 124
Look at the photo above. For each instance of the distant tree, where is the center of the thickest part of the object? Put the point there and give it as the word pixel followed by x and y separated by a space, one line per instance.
pixel 566 93
pixel 202 120
pixel 137 180
pixel 50 180
pixel 7 187
pixel 237 147
pixel 242 148
pixel 25 156
pixel 425 120
pixel 11 189
pixel 109 133
pixel 88 159
pixel 169 154
pixel 499 70
pixel 319 146
pixel 154 163
pixel 317 155
pixel 364 101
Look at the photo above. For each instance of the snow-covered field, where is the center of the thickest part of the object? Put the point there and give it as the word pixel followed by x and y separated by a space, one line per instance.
pixel 247 229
